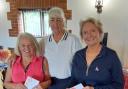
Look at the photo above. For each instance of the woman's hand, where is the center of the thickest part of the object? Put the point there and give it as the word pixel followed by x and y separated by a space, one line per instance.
pixel 19 86
pixel 88 87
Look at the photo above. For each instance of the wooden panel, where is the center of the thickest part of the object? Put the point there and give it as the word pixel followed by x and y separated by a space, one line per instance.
pixel 13 32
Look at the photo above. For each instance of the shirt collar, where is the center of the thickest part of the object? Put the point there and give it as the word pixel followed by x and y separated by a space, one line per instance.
pixel 63 38
pixel 101 54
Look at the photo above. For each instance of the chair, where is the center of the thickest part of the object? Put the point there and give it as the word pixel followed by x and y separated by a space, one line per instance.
pixel 126 81
pixel 105 38
pixel 1 47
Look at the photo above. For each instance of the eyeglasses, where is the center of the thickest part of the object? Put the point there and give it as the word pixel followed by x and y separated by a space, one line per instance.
pixel 56 19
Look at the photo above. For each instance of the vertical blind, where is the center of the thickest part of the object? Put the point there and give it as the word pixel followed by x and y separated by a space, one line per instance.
pixel 35 22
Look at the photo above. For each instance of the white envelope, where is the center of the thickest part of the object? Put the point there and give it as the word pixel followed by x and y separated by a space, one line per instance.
pixel 79 86
pixel 31 82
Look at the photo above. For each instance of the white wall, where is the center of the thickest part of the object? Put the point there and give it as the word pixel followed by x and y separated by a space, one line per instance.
pixel 5 40
pixel 114 19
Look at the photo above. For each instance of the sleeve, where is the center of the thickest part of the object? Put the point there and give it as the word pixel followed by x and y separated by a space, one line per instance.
pixel 76 45
pixel 116 73
pixel 73 72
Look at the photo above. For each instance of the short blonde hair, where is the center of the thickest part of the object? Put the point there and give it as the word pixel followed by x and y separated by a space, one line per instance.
pixel 97 23
pixel 31 38
pixel 56 11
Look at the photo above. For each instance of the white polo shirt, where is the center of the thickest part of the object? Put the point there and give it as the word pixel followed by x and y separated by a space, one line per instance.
pixel 60 55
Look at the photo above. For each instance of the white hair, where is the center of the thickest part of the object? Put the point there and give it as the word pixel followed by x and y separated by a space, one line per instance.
pixel 56 11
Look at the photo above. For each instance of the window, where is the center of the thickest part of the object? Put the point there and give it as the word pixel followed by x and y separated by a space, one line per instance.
pixel 35 22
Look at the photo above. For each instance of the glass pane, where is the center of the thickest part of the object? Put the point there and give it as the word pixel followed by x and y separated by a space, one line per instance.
pixel 47 29
pixel 32 22
pixel 35 22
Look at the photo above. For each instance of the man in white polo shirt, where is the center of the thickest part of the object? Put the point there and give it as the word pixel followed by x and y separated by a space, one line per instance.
pixel 60 47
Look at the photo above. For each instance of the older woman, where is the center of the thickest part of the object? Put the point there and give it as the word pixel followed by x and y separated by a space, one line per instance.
pixel 28 62
pixel 96 66
pixel 60 47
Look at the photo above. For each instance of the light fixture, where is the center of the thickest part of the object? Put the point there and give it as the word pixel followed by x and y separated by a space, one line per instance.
pixel 98 6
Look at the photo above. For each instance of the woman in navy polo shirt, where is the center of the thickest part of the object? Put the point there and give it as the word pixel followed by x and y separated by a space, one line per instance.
pixel 96 66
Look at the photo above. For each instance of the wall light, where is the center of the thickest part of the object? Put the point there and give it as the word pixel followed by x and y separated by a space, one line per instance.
pixel 98 6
